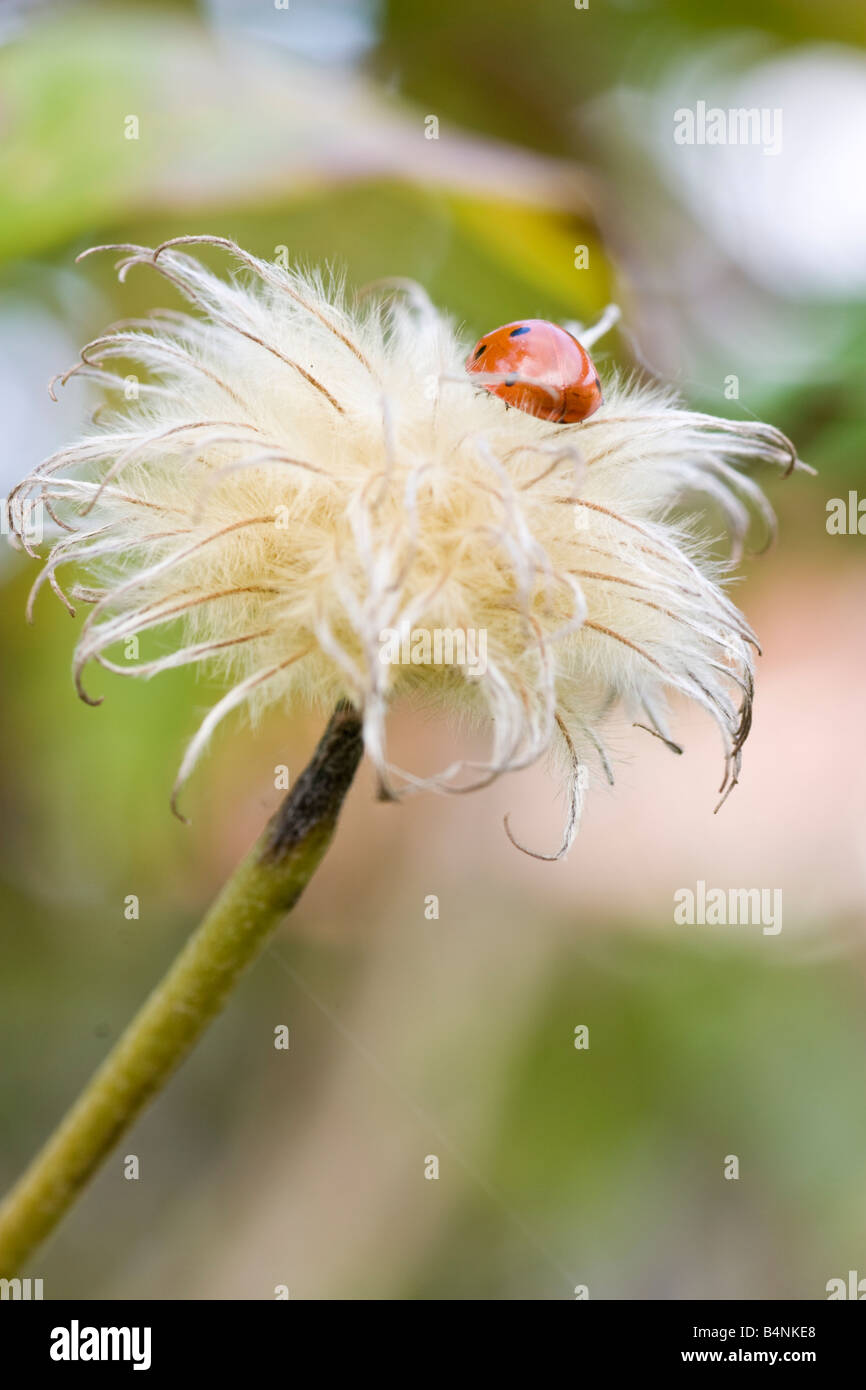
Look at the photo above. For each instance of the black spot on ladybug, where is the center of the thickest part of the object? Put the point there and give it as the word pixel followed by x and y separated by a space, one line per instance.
pixel 479 350
pixel 516 332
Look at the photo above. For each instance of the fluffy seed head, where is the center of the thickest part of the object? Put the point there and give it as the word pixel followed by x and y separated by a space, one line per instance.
pixel 322 502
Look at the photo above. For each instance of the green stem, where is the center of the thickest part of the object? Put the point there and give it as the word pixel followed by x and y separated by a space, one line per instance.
pixel 266 885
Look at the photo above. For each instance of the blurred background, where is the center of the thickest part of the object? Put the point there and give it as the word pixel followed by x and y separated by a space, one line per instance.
pixel 307 126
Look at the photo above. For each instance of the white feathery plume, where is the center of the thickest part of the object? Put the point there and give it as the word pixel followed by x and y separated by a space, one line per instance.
pixel 299 476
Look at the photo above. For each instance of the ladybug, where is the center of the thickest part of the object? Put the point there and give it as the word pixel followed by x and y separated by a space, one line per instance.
pixel 564 388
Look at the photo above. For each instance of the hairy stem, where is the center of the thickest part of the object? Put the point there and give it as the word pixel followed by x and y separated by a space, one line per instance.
pixel 265 886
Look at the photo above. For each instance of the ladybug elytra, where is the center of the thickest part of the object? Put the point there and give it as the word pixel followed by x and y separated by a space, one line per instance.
pixel 558 380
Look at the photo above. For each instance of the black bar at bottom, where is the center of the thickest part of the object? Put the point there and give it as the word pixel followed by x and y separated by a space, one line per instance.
pixel 66 1339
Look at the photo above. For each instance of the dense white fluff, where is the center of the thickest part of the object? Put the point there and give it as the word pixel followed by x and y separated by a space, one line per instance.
pixel 297 477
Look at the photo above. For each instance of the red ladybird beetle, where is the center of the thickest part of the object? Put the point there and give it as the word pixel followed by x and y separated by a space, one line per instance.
pixel 564 384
